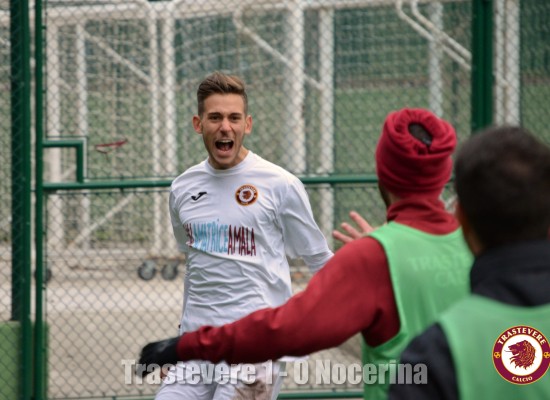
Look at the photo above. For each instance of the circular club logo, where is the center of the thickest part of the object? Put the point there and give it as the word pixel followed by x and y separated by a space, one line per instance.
pixel 246 195
pixel 521 355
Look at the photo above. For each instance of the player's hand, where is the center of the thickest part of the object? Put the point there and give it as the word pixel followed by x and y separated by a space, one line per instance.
pixel 157 353
pixel 353 233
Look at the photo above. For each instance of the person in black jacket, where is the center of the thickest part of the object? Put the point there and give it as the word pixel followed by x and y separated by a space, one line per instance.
pixel 502 178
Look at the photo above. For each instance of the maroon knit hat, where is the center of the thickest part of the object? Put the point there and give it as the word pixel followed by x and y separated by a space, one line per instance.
pixel 405 165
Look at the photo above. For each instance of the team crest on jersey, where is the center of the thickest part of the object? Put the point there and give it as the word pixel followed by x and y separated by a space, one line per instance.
pixel 521 354
pixel 246 195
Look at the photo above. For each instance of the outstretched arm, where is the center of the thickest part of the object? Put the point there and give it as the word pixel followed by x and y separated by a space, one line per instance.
pixel 339 301
pixel 352 232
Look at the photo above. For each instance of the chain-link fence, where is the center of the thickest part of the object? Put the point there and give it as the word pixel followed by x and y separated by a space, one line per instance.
pixel 533 85
pixel 117 94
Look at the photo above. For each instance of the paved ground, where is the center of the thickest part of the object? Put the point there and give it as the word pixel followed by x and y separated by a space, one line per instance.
pixel 98 319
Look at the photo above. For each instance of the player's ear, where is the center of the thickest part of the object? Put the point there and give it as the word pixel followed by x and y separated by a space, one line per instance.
pixel 468 232
pixel 248 124
pixel 197 124
pixel 459 213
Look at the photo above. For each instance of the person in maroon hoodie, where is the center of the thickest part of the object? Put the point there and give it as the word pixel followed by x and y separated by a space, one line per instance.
pixel 388 285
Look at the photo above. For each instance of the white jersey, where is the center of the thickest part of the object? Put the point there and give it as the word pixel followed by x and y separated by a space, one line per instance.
pixel 236 227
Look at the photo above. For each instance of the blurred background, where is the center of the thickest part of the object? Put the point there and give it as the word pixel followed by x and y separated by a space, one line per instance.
pixel 96 106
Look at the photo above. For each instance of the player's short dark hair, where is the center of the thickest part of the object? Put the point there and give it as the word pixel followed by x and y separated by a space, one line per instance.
pixel 220 83
pixel 420 133
pixel 502 178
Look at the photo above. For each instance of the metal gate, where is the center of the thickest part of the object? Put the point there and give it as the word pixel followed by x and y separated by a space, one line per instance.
pixel 108 86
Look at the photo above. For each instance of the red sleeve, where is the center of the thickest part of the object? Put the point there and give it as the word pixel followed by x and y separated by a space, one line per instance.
pixel 341 300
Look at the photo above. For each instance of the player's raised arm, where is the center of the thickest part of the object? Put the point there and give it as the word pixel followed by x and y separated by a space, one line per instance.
pixel 352 233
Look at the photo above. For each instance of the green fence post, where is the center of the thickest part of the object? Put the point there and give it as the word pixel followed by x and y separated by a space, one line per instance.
pixel 482 64
pixel 40 375
pixel 21 188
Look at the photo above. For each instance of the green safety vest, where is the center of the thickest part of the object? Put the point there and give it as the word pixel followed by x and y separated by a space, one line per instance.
pixel 429 273
pixel 473 326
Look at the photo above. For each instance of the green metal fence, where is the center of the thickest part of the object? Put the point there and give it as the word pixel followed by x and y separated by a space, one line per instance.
pixel 98 99
pixel 15 241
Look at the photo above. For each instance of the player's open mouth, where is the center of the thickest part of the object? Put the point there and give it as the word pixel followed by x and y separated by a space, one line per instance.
pixel 224 145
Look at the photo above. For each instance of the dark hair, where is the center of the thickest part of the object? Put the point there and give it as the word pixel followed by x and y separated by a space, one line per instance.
pixel 502 178
pixel 420 133
pixel 220 83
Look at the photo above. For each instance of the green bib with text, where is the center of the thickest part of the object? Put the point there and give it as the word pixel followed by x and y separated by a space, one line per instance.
pixel 488 345
pixel 429 273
